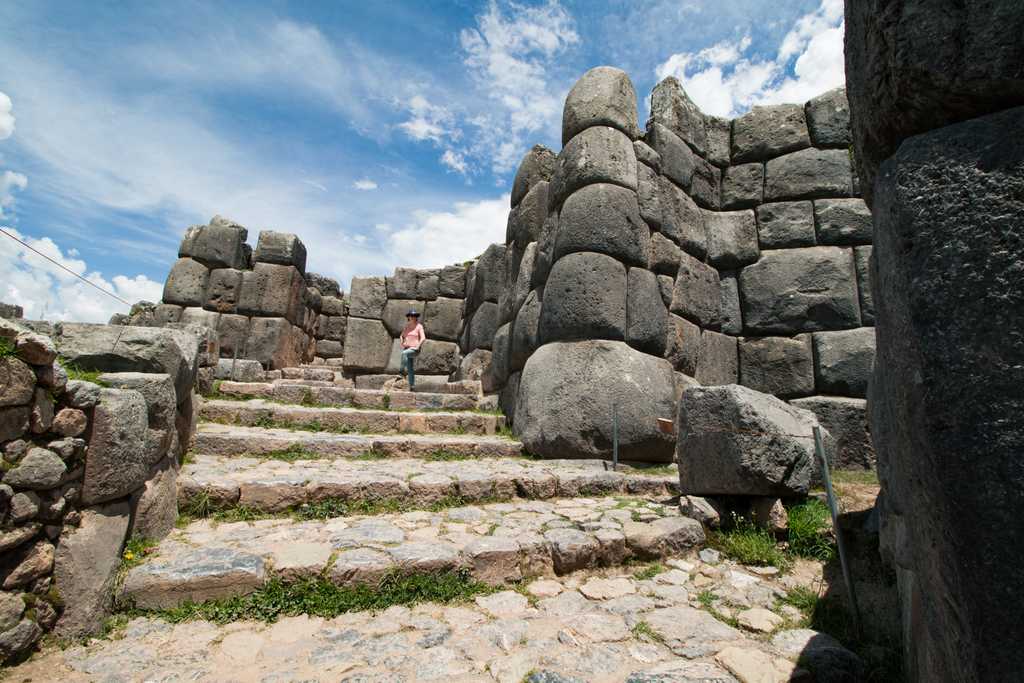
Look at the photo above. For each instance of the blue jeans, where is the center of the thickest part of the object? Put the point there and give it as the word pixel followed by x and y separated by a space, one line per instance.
pixel 408 364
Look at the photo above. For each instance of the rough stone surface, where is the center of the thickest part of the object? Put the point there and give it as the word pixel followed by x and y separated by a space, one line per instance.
pixel 729 303
pixel 766 132
pixel 86 566
pixel 604 219
pixel 119 460
pixel 732 238
pixel 665 255
pixel 842 221
pixel 273 290
pixel 367 344
pixel 17 382
pixel 717 362
pixel 565 401
pixel 681 220
pixel 672 107
pixel 862 262
pixel 682 347
pixel 483 326
pixel 186 283
pixel 596 155
pixel 696 295
pixel 603 96
pixel 221 244
pixel 39 469
pixel 489 280
pixel 369 294
pixel 282 248
pixel 784 225
pixel 821 654
pixel 782 366
pixel 800 290
pixel 538 165
pixel 843 360
pixel 585 298
pixel 223 291
pixel 525 331
pixel 737 441
pixel 526 220
pixel 156 509
pixel 270 342
pixel 828 119
pixel 646 314
pixel 678 162
pixel 743 186
pixel 846 419
pixel 808 174
pixel 442 319
pixel 918 65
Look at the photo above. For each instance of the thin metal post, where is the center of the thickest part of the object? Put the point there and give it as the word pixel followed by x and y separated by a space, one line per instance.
pixel 234 360
pixel 834 508
pixel 615 437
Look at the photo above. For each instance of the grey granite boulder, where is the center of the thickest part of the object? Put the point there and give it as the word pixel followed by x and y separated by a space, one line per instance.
pixel 743 186
pixel 665 255
pixel 567 394
pixel 648 194
pixel 38 469
pixel 682 221
pixel 603 96
pixel 367 345
pixel 646 314
pixel 767 132
pixel 862 261
pixel 842 221
pixel 500 348
pixel 282 248
pixel 808 174
pixel 717 362
pixel 537 165
pixel 682 346
pixel 489 279
pixel 442 319
pixel 369 294
pixel 223 291
pixel 438 358
pixel 186 283
pixel 846 419
pixel 730 313
pixel 597 155
pixel 452 282
pixel 584 298
pixel 119 460
pixel 828 119
pixel 272 343
pixel 605 219
pixel 732 238
pixel 483 325
pixel 843 361
pixel 273 290
pixel 527 218
pixel 673 108
pixel 678 162
pixel 525 330
pixel 218 245
pixel 800 290
pixel 696 295
pixel 784 225
pixel 781 366
pixel 737 441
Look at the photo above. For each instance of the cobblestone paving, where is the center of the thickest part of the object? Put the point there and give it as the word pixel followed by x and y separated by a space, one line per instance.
pixel 597 626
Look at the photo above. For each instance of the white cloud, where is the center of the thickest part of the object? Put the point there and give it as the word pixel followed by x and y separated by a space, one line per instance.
pixel 10 181
pixel 41 288
pixel 438 238
pixel 6 117
pixel 428 121
pixel 365 184
pixel 725 82
pixel 454 161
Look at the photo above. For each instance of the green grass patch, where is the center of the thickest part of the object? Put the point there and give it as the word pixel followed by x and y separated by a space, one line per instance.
pixel 319 597
pixel 658 471
pixel 863 477
pixel 337 507
pixel 77 373
pixel 643 631
pixel 505 431
pixel 294 452
pixel 135 551
pixel 649 572
pixel 445 455
pixel 385 401
pixel 6 348
pixel 810 526
pixel 371 454
pixel 749 544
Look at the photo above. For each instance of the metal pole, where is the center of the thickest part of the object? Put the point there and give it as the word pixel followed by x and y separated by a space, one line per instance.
pixel 234 360
pixel 615 437
pixel 834 508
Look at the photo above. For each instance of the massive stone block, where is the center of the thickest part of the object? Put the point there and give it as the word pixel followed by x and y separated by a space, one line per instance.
pixel 218 245
pixel 682 348
pixel 118 461
pixel 596 155
pixel 843 360
pixel 915 65
pixel 442 319
pixel 452 282
pixel 272 343
pixel 198 316
pixel 224 290
pixel 438 358
pixel 732 238
pixel 672 107
pixel 862 261
pixel 846 419
pixel 648 193
pixel 369 294
pixel 567 393
pixel 233 335
pixel 800 290
pixel 737 441
pixel 281 248
pixel 273 290
pixel 946 399
pixel 489 277
pixel 525 329
pixel 696 295
pixel 784 225
pixel 828 119
pixel 483 325
pixel 842 221
pixel 706 187
pixel 781 366
pixel 605 219
pixel 367 345
pixel 186 283
pixel 729 303
pixel 394 314
pixel 603 96
pixel 523 282
pixel 665 255
pixel 527 218
pixel 718 362
pixel 808 174
pixel 584 298
pixel 537 165
pixel 682 221
pixel 332 305
pixel 500 350
pixel 743 186
pixel 331 327
pixel 646 315
pixel 678 162
pixel 766 132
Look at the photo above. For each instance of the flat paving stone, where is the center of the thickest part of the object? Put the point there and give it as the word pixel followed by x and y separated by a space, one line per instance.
pixel 256 411
pixel 274 485
pixel 332 394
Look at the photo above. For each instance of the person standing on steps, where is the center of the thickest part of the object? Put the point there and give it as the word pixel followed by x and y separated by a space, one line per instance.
pixel 412 338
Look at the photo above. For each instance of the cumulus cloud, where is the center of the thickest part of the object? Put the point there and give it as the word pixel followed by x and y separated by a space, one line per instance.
pixel 365 184
pixel 725 81
pixel 454 161
pixel 10 181
pixel 6 117
pixel 43 289
pixel 428 121
pixel 438 238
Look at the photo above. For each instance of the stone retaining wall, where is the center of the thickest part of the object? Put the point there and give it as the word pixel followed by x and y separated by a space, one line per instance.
pixel 85 466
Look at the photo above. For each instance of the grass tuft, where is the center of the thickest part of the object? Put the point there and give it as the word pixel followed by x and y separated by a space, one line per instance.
pixel 77 373
pixel 290 454
pixel 649 572
pixel 863 477
pixel 319 597
pixel 643 631
pixel 749 544
pixel 6 348
pixel 810 526
pixel 135 551
pixel 445 455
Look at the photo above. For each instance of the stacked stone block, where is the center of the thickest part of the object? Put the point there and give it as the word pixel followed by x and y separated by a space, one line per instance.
pixel 84 466
pixel 376 316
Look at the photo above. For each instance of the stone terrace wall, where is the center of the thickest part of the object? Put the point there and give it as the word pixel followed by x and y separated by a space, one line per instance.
pixel 700 251
pixel 377 314
pixel 262 304
pixel 84 466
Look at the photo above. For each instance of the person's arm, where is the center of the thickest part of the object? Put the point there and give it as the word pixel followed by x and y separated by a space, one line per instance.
pixel 422 335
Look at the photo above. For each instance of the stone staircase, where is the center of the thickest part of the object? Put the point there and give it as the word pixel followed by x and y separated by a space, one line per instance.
pixel 351 484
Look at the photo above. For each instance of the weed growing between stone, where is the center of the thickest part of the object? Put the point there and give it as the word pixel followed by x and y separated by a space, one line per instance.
pixel 135 551
pixel 656 471
pixel 371 454
pixel 319 597
pixel 643 631
pixel 445 455
pixel 749 544
pixel 505 431
pixel 810 525
pixel 290 454
pixel 77 373
pixel 707 600
pixel 6 348
pixel 649 572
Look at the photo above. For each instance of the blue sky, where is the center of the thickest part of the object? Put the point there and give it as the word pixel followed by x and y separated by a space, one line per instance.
pixel 382 133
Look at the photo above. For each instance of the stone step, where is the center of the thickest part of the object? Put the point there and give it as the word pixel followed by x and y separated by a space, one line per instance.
pixel 335 395
pixel 217 439
pixel 255 412
pixel 274 485
pixel 438 384
pixel 496 543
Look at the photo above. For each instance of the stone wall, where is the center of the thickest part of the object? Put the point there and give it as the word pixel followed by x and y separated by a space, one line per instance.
pixel 261 303
pixel 11 311
pixel 698 251
pixel 377 315
pixel 937 103
pixel 85 465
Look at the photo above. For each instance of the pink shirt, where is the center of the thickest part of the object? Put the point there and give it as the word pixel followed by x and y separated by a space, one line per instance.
pixel 411 339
